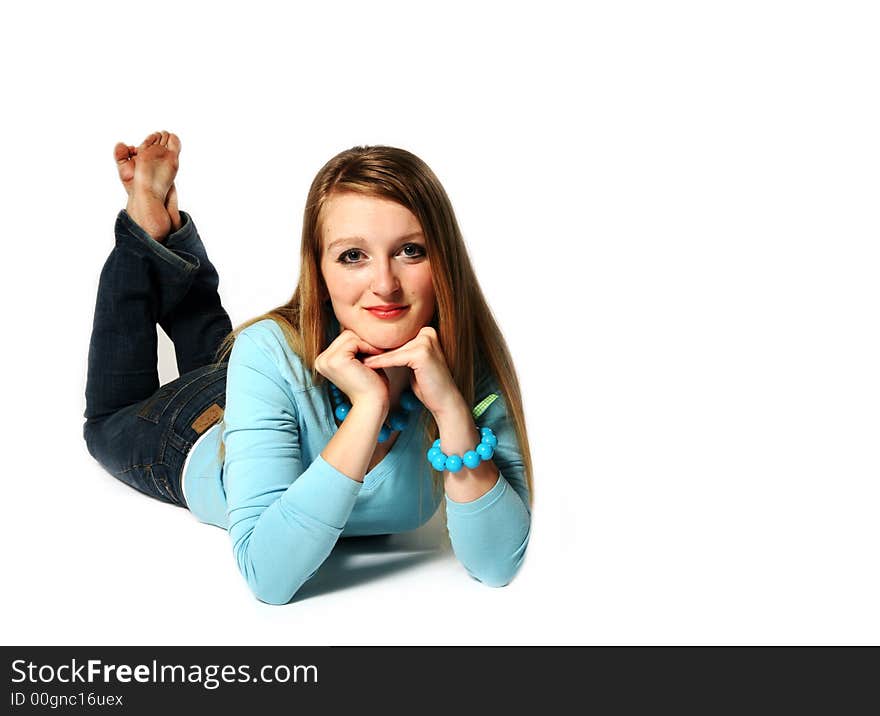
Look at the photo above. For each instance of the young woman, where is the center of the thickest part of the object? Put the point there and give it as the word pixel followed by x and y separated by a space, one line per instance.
pixel 349 410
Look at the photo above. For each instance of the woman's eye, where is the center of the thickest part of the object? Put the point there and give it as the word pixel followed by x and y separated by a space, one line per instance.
pixel 350 254
pixel 417 250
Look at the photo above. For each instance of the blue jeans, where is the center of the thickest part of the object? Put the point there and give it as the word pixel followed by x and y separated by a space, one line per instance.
pixel 138 431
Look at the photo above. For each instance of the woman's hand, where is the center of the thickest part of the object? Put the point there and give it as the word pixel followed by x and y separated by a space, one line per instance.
pixel 431 380
pixel 339 364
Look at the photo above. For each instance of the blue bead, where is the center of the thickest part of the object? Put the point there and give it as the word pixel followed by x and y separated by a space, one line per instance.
pixel 485 451
pixel 471 459
pixel 434 452
pixel 490 440
pixel 342 410
pixel 437 442
pixel 486 431
pixel 398 420
pixel 384 434
pixel 439 462
pixel 453 463
pixel 408 400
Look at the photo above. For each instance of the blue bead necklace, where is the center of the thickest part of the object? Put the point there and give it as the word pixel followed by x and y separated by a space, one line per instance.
pixel 397 420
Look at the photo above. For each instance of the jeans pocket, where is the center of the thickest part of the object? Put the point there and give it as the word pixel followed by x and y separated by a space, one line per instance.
pixel 154 406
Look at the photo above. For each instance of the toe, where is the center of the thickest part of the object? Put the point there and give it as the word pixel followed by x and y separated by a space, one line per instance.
pixel 120 153
pixel 164 139
pixel 174 143
pixel 151 139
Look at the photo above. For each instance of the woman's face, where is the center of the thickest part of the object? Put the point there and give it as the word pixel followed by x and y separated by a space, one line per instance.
pixel 373 254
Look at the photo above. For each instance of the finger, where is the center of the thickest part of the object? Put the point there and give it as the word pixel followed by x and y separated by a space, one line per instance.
pixel 351 340
pixel 396 352
pixel 369 348
pixel 397 357
pixel 362 346
pixel 379 361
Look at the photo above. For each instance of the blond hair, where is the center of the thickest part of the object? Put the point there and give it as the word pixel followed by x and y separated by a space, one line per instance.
pixel 466 328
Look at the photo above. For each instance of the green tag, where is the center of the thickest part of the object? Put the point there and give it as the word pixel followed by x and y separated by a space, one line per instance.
pixel 484 404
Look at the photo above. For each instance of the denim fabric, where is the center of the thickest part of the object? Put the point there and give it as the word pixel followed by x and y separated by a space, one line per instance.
pixel 138 431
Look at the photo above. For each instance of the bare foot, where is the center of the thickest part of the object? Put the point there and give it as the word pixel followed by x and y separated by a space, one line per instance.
pixel 147 173
pixel 126 156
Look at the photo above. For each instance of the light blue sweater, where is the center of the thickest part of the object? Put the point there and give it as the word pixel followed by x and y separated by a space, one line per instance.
pixel 285 506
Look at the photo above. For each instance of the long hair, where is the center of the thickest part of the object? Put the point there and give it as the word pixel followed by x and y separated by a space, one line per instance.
pixel 468 333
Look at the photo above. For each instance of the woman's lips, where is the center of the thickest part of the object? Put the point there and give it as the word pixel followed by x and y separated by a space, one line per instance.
pixel 393 313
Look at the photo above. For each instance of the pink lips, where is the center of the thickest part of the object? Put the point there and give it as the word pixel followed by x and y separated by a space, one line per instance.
pixel 390 313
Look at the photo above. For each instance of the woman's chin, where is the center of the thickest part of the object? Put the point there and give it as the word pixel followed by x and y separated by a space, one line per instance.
pixel 387 345
pixel 387 340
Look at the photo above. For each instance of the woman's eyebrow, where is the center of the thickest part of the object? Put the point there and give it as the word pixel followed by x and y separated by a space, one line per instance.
pixel 362 240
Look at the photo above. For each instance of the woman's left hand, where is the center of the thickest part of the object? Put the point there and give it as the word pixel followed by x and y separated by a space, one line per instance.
pixel 431 380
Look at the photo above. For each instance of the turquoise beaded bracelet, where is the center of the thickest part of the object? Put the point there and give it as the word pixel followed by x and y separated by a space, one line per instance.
pixel 471 459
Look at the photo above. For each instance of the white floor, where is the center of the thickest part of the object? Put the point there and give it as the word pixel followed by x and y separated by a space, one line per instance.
pixel 107 565
pixel 90 561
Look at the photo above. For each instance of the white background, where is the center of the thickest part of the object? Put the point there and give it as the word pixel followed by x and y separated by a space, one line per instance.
pixel 672 208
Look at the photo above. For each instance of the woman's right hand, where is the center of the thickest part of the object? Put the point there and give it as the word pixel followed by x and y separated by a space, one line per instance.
pixel 339 364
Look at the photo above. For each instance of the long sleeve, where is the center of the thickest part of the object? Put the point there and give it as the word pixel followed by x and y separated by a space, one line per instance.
pixel 283 519
pixel 490 534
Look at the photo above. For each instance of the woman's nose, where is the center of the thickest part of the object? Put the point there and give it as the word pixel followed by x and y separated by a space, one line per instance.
pixel 385 281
